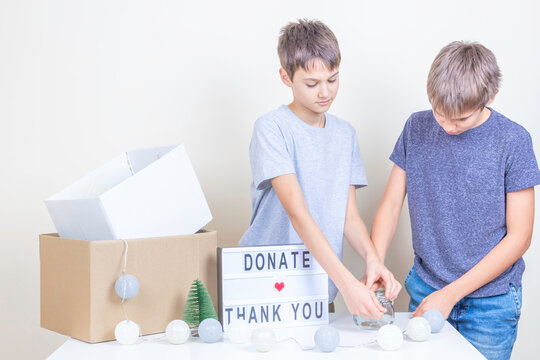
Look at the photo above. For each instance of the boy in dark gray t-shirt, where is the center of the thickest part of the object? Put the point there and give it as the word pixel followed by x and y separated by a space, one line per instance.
pixel 469 173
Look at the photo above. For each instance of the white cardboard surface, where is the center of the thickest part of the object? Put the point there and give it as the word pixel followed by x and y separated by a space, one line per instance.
pixel 142 193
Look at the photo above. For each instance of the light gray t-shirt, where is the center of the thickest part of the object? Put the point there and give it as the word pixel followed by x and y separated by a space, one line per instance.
pixel 326 162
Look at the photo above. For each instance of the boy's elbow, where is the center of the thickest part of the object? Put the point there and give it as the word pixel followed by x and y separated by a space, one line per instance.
pixel 523 241
pixel 527 242
pixel 351 217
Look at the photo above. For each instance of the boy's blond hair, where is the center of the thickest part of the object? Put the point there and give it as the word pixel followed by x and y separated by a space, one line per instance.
pixel 301 43
pixel 463 77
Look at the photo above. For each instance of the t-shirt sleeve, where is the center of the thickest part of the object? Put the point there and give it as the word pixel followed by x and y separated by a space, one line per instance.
pixel 269 156
pixel 399 155
pixel 358 172
pixel 521 167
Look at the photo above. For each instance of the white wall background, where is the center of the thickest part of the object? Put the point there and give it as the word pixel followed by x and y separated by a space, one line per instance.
pixel 82 81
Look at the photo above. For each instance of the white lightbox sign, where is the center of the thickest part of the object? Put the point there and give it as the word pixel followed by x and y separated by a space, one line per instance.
pixel 280 285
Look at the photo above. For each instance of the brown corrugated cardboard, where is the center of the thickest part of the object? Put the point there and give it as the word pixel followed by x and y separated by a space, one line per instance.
pixel 78 276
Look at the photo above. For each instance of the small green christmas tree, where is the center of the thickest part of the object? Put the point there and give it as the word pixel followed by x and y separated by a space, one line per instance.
pixel 199 305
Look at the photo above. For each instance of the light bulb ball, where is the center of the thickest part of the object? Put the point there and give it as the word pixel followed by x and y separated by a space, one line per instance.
pixel 418 329
pixel 210 330
pixel 390 337
pixel 263 339
pixel 177 332
pixel 435 319
pixel 326 338
pixel 127 332
pixel 126 286
pixel 239 332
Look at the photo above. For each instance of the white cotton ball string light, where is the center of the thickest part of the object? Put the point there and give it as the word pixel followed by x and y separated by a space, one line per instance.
pixel 177 332
pixel 127 332
pixel 326 338
pixel 239 332
pixel 390 337
pixel 263 339
pixel 210 330
pixel 436 320
pixel 126 286
pixel 418 329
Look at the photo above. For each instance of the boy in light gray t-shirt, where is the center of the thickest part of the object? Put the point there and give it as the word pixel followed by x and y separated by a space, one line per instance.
pixel 325 161
pixel 306 167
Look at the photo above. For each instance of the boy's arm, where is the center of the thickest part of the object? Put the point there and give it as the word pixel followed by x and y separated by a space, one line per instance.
pixel 519 224
pixel 357 296
pixel 357 235
pixel 387 215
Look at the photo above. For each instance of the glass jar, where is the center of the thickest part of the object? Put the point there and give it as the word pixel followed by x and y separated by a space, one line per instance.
pixel 376 324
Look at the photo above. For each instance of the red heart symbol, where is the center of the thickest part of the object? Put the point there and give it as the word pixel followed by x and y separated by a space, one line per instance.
pixel 279 286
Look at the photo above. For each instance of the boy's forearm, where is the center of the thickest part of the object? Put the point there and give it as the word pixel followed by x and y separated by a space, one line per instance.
pixel 519 221
pixel 500 258
pixel 320 248
pixel 290 195
pixel 355 230
pixel 383 228
pixel 357 235
pixel 387 216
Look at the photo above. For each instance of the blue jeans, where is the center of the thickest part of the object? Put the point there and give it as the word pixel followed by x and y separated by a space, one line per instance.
pixel 489 323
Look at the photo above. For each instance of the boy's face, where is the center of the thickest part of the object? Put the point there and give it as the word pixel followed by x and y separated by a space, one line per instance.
pixel 313 90
pixel 459 124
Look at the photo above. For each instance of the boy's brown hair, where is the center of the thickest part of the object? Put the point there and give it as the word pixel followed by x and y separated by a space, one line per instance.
pixel 463 77
pixel 301 43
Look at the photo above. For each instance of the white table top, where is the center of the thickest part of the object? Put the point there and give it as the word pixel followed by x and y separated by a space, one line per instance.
pixel 448 344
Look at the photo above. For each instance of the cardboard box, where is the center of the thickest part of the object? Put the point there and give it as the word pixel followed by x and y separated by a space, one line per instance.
pixel 77 282
pixel 142 193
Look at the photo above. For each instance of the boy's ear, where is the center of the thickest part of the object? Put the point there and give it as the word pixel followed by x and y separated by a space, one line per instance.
pixel 285 77
pixel 493 98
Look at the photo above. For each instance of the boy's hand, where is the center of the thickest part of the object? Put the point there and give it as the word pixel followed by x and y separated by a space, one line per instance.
pixel 440 300
pixel 377 275
pixel 362 301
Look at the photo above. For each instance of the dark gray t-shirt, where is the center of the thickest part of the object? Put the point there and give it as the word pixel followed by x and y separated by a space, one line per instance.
pixel 326 162
pixel 456 188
